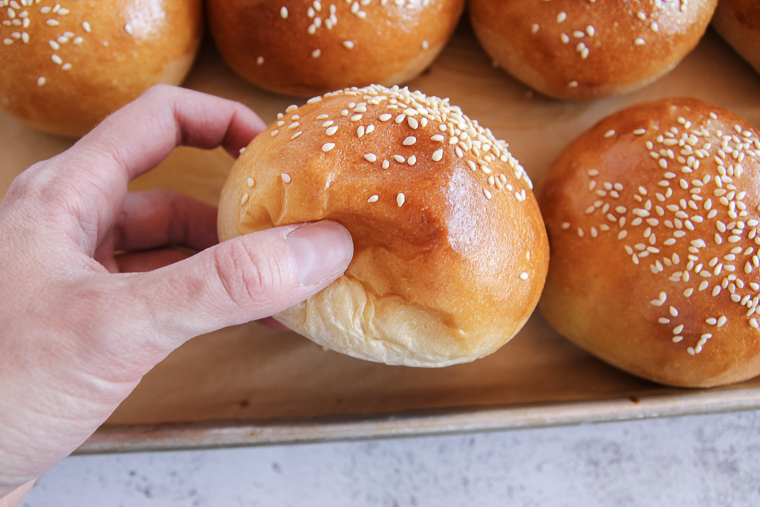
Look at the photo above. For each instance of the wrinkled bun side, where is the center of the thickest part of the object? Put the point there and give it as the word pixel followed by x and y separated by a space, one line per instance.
pixel 69 68
pixel 447 265
pixel 655 264
pixel 283 48
pixel 738 22
pixel 587 50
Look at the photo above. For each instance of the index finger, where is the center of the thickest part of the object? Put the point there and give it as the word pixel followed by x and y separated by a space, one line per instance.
pixel 137 137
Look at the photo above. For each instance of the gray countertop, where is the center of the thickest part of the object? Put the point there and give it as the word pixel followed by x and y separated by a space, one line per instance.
pixel 706 460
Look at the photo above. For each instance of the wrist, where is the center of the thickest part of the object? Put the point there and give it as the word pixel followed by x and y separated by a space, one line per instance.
pixel 14 498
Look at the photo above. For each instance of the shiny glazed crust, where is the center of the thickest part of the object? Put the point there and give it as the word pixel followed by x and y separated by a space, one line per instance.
pixel 450 250
pixel 738 22
pixel 307 48
pixel 65 65
pixel 652 218
pixel 572 49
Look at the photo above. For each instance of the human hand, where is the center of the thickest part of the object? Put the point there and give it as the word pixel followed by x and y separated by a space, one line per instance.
pixel 77 332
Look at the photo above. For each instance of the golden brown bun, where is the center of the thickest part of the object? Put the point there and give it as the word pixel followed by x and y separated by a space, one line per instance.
pixel 573 49
pixel 308 48
pixel 652 218
pixel 65 65
pixel 738 22
pixel 450 250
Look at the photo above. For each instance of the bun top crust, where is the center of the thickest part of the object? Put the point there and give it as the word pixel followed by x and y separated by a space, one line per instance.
pixel 450 250
pixel 573 49
pixel 738 22
pixel 653 221
pixel 306 48
pixel 65 65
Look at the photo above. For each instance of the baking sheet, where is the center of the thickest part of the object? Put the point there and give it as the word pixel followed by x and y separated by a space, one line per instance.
pixel 251 384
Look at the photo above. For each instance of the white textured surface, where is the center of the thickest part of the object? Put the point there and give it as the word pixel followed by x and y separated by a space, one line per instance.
pixel 711 460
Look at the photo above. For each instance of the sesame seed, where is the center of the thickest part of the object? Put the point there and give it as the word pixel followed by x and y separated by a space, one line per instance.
pixel 386 164
pixel 411 160
pixel 609 133
pixel 244 199
pixel 386 117
pixel 438 155
pixel 400 199
pixel 572 84
pixel 425 45
pixel 409 141
pixel 284 12
pixel 524 276
pixel 56 59
pixel 399 159
pixel 41 81
pixel 316 53
pixel 534 29
pixel 561 17
pixel 128 29
pixel 639 41
pixel 373 198
pixel 413 122
pixel 260 61
pixel 52 22
pixel 327 147
pixel 250 182
pixel 286 178
pixel 348 44
pixel 330 131
pixel 371 157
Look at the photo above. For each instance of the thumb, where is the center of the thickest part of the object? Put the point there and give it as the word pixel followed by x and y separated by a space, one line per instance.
pixel 240 280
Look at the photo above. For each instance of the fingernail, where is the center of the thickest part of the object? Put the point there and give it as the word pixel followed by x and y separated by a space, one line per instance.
pixel 321 250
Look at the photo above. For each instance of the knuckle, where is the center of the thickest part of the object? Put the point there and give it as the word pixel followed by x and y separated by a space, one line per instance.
pixel 248 275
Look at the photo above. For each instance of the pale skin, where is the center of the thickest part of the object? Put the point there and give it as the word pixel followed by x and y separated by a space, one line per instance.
pixel 79 325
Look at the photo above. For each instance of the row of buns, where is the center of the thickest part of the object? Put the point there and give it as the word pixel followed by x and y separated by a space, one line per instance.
pixel 64 66
pixel 651 216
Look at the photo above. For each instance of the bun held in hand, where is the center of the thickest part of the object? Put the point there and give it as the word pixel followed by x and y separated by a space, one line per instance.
pixel 653 219
pixel 450 249
pixel 65 65
pixel 306 48
pixel 579 49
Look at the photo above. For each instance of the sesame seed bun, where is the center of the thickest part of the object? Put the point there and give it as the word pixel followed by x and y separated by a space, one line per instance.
pixel 307 48
pixel 450 250
pixel 652 218
pixel 572 49
pixel 738 22
pixel 66 65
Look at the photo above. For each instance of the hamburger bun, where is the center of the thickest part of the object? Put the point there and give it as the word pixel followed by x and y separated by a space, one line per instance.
pixel 66 65
pixel 570 49
pixel 307 48
pixel 738 22
pixel 652 218
pixel 450 253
